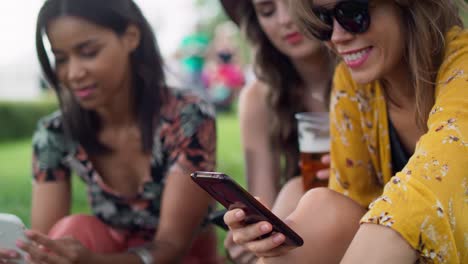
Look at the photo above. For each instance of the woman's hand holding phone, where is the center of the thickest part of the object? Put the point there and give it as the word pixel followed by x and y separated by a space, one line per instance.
pixel 11 230
pixel 42 249
pixel 248 235
pixel 252 224
pixel 239 254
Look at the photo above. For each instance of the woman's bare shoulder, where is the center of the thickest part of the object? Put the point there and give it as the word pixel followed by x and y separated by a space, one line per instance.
pixel 254 113
pixel 254 97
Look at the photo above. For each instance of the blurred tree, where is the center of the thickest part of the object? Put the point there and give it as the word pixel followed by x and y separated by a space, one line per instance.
pixel 210 15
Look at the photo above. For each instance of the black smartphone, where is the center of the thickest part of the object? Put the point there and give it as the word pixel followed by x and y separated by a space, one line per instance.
pixel 231 195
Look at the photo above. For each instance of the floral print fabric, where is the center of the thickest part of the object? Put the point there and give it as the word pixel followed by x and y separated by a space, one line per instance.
pixel 426 202
pixel 185 137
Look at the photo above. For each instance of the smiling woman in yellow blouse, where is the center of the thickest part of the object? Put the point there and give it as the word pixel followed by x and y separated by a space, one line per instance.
pixel 399 122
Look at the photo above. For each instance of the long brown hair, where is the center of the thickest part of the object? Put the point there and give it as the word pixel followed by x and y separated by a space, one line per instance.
pixel 285 87
pixel 149 83
pixel 426 23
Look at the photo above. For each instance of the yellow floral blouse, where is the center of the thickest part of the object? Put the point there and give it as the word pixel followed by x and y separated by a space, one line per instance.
pixel 427 202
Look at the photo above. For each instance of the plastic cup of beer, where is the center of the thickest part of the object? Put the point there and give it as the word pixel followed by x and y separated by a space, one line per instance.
pixel 314 142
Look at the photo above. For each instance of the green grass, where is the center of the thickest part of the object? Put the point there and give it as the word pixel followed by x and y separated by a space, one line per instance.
pixel 16 182
pixel 229 156
pixel 15 171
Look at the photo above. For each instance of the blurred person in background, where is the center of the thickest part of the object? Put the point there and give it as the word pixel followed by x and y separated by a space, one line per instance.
pixel 224 75
pixel 293 75
pixel 193 52
pixel 129 137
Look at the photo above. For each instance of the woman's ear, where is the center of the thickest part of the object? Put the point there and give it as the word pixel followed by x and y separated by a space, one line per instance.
pixel 132 37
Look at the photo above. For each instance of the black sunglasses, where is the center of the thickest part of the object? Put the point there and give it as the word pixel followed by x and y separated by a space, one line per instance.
pixel 352 15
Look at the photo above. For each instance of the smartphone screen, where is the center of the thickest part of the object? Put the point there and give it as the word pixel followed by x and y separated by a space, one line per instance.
pixel 231 195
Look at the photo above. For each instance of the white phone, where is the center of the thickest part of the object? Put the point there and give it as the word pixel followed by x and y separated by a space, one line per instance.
pixel 12 229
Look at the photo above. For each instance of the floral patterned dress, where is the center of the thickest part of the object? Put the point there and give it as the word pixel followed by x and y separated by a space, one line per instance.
pixel 426 202
pixel 186 137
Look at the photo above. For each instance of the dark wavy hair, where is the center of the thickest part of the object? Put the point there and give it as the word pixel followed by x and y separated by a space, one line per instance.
pixel 285 86
pixel 149 85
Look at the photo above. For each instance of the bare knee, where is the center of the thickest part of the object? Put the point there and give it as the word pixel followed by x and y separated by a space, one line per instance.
pixel 288 197
pixel 78 219
pixel 327 221
pixel 89 230
pixel 293 184
pixel 332 212
pixel 72 224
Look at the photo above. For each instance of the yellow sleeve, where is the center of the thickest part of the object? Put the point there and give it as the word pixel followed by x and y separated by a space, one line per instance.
pixel 427 203
pixel 352 172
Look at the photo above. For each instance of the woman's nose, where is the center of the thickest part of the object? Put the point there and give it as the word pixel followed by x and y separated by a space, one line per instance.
pixel 75 70
pixel 283 14
pixel 340 34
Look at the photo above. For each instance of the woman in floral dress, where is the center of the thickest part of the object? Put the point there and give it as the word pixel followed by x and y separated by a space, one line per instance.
pixel 399 126
pixel 131 139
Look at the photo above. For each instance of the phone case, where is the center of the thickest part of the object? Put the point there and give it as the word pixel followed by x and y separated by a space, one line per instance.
pixel 11 229
pixel 231 195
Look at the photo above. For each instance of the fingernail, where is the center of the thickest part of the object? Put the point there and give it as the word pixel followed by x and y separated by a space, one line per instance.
pixel 20 243
pixel 265 228
pixel 239 214
pixel 13 254
pixel 320 175
pixel 278 238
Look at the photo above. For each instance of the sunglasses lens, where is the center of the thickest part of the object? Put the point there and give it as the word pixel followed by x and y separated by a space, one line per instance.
pixel 353 16
pixel 324 31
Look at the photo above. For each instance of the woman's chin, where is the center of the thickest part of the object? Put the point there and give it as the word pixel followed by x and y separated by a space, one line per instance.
pixel 362 77
pixel 87 105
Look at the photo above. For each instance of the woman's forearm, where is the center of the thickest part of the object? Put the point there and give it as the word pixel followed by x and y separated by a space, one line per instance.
pixel 379 244
pixel 266 191
pixel 262 176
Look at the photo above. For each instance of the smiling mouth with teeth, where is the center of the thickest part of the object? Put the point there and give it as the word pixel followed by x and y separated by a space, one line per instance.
pixel 358 58
pixel 355 56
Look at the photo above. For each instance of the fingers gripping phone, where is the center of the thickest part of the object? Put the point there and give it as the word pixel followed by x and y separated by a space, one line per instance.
pixel 217 218
pixel 11 229
pixel 231 195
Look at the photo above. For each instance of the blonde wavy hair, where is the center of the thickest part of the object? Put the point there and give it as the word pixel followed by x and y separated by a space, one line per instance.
pixel 426 23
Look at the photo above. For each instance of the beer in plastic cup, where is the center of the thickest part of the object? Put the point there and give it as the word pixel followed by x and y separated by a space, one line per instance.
pixel 314 142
